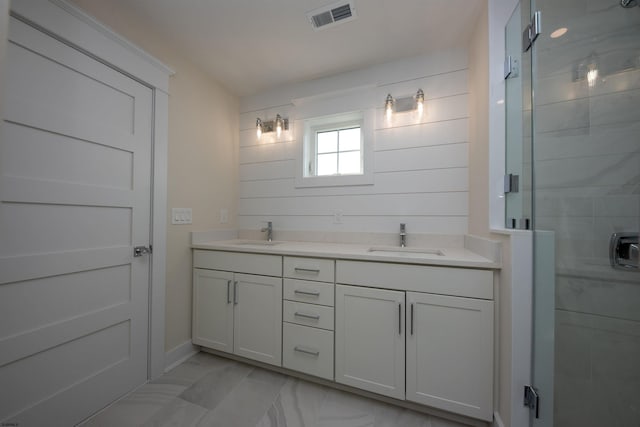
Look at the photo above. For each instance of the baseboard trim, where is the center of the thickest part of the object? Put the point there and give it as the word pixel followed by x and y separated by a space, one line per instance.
pixel 497 420
pixel 179 354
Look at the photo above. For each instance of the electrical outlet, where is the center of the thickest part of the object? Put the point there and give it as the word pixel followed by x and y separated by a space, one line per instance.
pixel 337 217
pixel 224 216
pixel 181 216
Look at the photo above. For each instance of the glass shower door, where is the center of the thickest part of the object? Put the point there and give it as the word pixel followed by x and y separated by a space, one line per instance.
pixel 586 169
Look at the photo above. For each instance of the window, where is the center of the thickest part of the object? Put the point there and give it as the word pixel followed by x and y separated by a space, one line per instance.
pixel 336 150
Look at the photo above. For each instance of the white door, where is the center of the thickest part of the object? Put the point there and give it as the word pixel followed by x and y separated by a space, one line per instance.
pixel 213 309
pixel 74 200
pixel 370 335
pixel 450 353
pixel 258 318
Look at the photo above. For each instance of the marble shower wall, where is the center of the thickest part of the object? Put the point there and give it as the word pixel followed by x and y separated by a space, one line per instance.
pixel 587 180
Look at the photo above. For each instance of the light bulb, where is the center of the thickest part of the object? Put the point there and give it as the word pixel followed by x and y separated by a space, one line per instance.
pixel 388 105
pixel 258 128
pixel 592 77
pixel 592 70
pixel 278 125
pixel 559 33
pixel 420 101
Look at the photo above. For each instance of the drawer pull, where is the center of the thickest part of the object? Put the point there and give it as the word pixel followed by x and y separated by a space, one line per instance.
pixel 307 270
pixel 307 316
pixel 306 351
pixel 309 293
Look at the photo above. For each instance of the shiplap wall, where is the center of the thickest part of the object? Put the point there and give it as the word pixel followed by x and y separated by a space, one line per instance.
pixel 420 164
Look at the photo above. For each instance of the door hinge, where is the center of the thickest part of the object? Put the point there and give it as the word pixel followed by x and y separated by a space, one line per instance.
pixel 511 183
pixel 510 67
pixel 532 399
pixel 532 31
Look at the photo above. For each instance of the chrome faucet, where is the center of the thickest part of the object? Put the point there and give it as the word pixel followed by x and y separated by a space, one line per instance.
pixel 269 230
pixel 403 235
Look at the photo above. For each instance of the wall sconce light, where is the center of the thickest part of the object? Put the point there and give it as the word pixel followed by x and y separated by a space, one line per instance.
pixel 402 105
pixel 277 125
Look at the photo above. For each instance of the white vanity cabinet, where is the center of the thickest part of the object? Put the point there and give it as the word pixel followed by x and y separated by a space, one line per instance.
pixel 442 317
pixel 308 315
pixel 450 353
pixel 237 312
pixel 213 309
pixel 370 339
pixel 413 332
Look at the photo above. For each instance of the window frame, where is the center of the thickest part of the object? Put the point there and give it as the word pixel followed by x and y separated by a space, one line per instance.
pixel 307 153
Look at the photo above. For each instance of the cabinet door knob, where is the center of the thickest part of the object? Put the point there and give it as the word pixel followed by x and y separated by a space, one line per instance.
pixel 228 291
pixel 400 318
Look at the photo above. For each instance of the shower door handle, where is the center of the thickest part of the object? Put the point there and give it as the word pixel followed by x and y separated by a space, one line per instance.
pixel 623 251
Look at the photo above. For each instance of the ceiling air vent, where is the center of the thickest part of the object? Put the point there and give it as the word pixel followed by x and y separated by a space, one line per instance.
pixel 331 15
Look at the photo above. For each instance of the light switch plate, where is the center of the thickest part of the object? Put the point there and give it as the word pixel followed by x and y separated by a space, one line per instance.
pixel 181 216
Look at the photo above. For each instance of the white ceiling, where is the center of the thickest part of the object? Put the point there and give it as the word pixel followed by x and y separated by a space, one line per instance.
pixel 253 45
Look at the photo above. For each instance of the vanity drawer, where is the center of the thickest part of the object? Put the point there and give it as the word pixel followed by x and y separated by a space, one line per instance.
pixel 301 313
pixel 311 292
pixel 265 265
pixel 307 350
pixel 318 269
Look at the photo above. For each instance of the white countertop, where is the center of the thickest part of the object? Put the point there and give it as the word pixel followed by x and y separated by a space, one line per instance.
pixel 453 257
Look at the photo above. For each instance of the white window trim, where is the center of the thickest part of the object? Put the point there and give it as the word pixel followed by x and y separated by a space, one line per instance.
pixel 305 138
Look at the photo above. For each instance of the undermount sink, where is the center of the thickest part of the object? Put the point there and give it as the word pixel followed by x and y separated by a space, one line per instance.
pixel 256 243
pixel 391 250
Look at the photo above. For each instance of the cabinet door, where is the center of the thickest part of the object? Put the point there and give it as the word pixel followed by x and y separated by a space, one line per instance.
pixel 370 334
pixel 258 318
pixel 450 353
pixel 213 309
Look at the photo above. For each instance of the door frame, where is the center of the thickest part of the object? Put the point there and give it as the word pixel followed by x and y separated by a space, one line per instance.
pixel 68 24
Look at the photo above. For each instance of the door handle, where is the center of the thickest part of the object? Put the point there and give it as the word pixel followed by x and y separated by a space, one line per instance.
pixel 235 293
pixel 411 318
pixel 623 251
pixel 228 291
pixel 138 251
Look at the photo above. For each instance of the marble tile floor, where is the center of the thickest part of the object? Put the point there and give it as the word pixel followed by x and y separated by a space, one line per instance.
pixel 207 390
